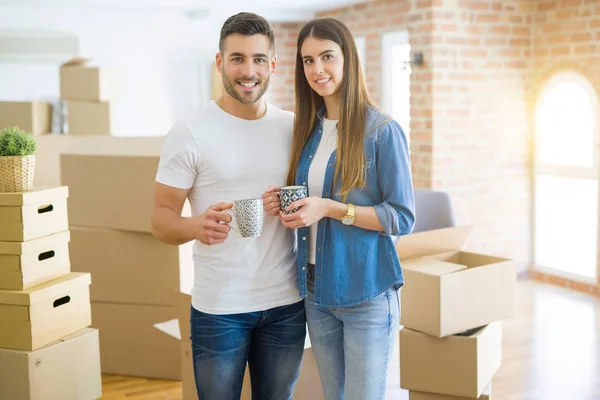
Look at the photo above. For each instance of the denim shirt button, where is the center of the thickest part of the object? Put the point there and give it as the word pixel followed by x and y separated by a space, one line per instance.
pixel 303 183
pixel 303 268
pixel 310 156
pixel 319 249
pixel 303 237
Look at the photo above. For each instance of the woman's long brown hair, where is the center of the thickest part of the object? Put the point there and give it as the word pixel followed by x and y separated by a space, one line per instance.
pixel 355 101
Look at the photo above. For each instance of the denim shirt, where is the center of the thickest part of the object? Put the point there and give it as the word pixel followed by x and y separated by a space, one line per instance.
pixel 354 264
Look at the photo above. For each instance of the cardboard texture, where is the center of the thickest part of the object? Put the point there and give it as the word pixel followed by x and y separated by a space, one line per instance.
pixel 47 157
pixel 307 387
pixel 116 259
pixel 454 365
pixel 89 118
pixel 27 264
pixel 101 172
pixel 67 369
pixel 448 291
pixel 131 346
pixel 35 317
pixel 486 395
pixel 31 215
pixel 81 81
pixel 32 116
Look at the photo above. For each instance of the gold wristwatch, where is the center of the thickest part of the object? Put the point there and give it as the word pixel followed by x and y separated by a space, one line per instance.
pixel 348 219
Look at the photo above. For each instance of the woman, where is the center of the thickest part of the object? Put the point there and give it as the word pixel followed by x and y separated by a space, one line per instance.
pixel 348 268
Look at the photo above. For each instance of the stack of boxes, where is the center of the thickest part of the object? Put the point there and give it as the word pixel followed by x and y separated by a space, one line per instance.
pixel 453 303
pixel 46 349
pixel 111 182
pixel 87 91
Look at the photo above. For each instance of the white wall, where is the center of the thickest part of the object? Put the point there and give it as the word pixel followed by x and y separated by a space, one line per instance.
pixel 162 61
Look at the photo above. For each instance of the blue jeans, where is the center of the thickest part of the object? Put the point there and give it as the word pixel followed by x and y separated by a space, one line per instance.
pixel 271 342
pixel 352 345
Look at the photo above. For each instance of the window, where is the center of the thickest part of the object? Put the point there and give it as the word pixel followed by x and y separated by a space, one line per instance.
pixel 361 46
pixel 395 82
pixel 566 178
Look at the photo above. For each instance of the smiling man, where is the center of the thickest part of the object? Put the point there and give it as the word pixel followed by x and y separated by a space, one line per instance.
pixel 246 306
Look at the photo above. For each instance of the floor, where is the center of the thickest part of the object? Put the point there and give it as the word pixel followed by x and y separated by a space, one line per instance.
pixel 551 352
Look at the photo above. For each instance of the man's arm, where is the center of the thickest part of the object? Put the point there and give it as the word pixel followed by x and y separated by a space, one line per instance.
pixel 170 227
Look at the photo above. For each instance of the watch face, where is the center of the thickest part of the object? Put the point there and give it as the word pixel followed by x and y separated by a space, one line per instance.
pixel 348 221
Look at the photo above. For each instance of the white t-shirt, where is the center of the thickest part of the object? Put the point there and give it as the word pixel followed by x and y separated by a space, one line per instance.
pixel 316 176
pixel 225 158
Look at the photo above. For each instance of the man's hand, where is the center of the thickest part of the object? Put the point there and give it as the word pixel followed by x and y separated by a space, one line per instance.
pixel 271 201
pixel 212 225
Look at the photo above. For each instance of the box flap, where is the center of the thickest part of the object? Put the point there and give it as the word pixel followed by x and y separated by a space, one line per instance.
pixel 432 267
pixel 54 289
pixel 432 242
pixel 37 195
pixel 31 246
pixel 76 62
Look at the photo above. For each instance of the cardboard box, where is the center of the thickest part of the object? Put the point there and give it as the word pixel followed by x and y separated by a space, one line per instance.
pixel 308 385
pixel 67 369
pixel 27 264
pixel 131 346
pixel 31 215
pixel 111 181
pixel 486 395
pixel 454 365
pixel 35 317
pixel 47 157
pixel 131 267
pixel 79 80
pixel 449 291
pixel 31 116
pixel 89 118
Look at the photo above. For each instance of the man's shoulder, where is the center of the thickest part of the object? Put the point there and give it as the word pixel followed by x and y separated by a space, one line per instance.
pixel 278 113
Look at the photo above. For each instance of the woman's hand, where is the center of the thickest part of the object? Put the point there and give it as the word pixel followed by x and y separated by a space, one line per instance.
pixel 312 210
pixel 271 202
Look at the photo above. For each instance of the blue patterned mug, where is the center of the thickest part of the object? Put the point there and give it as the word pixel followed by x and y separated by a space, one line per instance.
pixel 249 217
pixel 290 194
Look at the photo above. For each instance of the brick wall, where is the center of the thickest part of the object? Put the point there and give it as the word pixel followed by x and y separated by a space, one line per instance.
pixel 281 92
pixel 566 37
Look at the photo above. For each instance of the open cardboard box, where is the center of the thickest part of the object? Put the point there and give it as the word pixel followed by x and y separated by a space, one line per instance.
pixel 307 387
pixel 457 365
pixel 447 290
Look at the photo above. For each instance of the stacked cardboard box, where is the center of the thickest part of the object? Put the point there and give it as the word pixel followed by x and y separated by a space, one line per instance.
pixel 111 182
pixel 31 116
pixel 46 348
pixel 453 303
pixel 88 92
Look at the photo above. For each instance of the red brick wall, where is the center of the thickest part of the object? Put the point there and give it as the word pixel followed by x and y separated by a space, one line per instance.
pixel 281 92
pixel 566 37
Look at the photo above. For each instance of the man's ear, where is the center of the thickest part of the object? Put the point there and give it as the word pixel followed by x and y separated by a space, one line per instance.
pixel 274 64
pixel 219 62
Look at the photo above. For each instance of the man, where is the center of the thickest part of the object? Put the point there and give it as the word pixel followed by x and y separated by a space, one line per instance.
pixel 245 300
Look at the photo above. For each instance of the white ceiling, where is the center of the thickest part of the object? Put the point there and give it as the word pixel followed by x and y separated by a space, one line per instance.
pixel 275 10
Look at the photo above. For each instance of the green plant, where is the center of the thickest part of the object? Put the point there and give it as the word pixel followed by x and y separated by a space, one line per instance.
pixel 16 142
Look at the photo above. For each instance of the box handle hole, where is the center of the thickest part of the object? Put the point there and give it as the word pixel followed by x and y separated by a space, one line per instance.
pixel 61 301
pixel 46 255
pixel 45 209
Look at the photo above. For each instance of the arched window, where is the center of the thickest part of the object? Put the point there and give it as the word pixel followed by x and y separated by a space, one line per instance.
pixel 566 177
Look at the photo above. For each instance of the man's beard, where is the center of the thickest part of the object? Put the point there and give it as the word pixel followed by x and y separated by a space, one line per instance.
pixel 248 97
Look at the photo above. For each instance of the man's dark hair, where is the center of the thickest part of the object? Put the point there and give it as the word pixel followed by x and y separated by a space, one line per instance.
pixel 246 24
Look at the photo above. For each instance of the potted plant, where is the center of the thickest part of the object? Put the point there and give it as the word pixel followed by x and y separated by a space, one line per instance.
pixel 17 160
